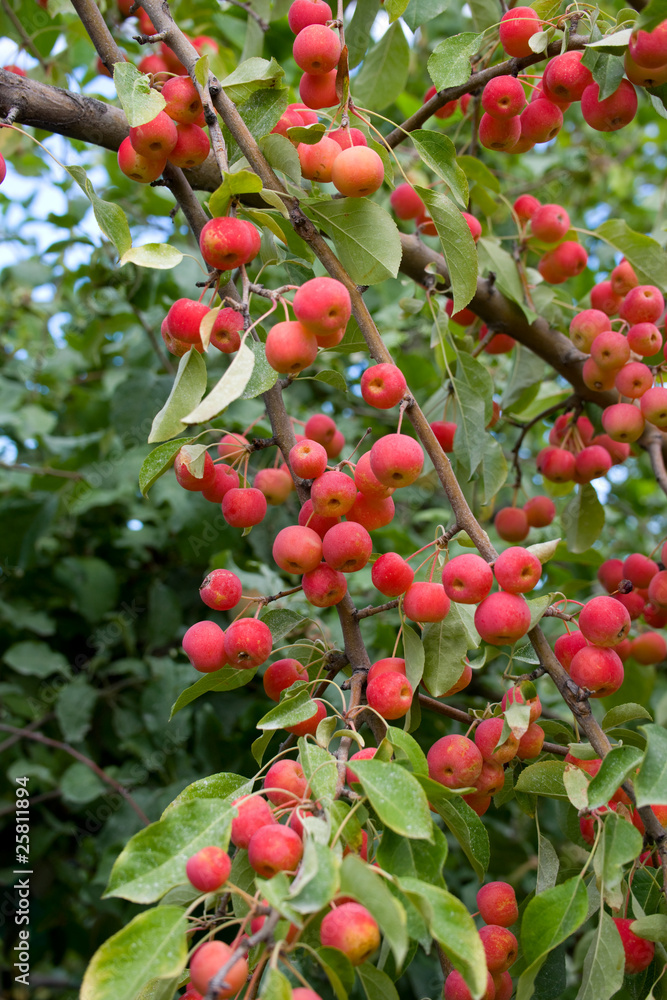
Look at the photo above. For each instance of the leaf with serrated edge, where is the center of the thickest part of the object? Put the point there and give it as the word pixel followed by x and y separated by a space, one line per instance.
pixel 152 945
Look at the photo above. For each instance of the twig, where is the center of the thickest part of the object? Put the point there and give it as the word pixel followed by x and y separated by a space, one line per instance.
pixel 36 470
pixel 360 613
pixel 265 933
pixel 36 724
pixel 66 748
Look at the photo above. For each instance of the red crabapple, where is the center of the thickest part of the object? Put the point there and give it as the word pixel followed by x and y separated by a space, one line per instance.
pixel 503 97
pixel 322 305
pixel 444 432
pixel 319 91
pixel 491 779
pixel 623 422
pixel 208 959
pixel 523 694
pixel 192 147
pixel 649 647
pixel 405 202
pixel 221 590
pixel 566 77
pixel 281 674
pixel 367 482
pixel 139 168
pixel 501 134
pixel 232 445
pixel 208 869
pixel 517 27
pixel 297 549
pixel 391 574
pixel 653 405
pixel 320 428
pixel 649 48
pixel 227 325
pixel 390 694
pixel 639 952
pixel 540 121
pixel 604 621
pixel 155 139
pixel 467 579
pixel 226 479
pixel 323 586
pixel 383 386
pixel 610 350
pixel 657 589
pixel 478 803
pixel 366 754
pixel 183 102
pixel 275 484
pixel 351 929
pixel 525 206
pixel 204 646
pixel 244 508
pixel 502 618
pixel 591 463
pixel 496 902
pixel 455 987
pixel 426 602
pixel 632 602
pixel 611 113
pixel 184 320
pixel 465 317
pixel 586 326
pixel 248 643
pixel 595 378
pixel 317 159
pixel 397 460
pixel 187 479
pixel 511 523
pixel 227 242
pixel 308 518
pixel 623 278
pixel 446 111
pixel 474 225
pixel 487 734
pixel 308 727
pixel 372 512
pixel 531 743
pixel 290 347
pixel 304 12
pixel 316 49
pixel 504 985
pixel 639 570
pixel 454 761
pixel 357 172
pixel 567 645
pixel 517 570
pixel 347 547
pixel 333 494
pixel 390 664
pixel 634 379
pixel 253 811
pixel 346 137
pixel 500 947
pixel 644 339
pixel 274 849
pixel 605 299
pixel 308 459
pixel 550 223
pixel 285 783
pixel 642 76
pixel 540 511
pixel 610 574
pixel 598 669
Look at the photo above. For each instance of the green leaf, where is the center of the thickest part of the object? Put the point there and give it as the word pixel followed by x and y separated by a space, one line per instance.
pixel 396 796
pixel 281 621
pixel 407 749
pixel 537 607
pixel 616 43
pixel 320 768
pixel 276 986
pixel 377 984
pixel 110 217
pixel 385 71
pixel 395 8
pixel 261 111
pixel 492 257
pixel 479 173
pixel 318 878
pixel 548 920
pixel 140 102
pixel 602 974
pixel 449 63
pixel 222 787
pixel 527 371
pixel 337 968
pixel 469 440
pixel 252 75
pixel 583 519
pixel 233 185
pixel 439 153
pixel 413 858
pixel 74 708
pixel 646 256
pixel 607 70
pixel 651 782
pixel 225 679
pixel 624 713
pixel 615 768
pixel 310 134
pixel 492 470
pixel 282 155
pixel 229 388
pixel 451 925
pixel 202 70
pixel 258 747
pixel 35 659
pixel 620 844
pixel 652 927
pixel 365 236
pixel 161 256
pixel 153 861
pixel 413 652
pixel 547 865
pixel 446 644
pixel 457 245
pixel 263 377
pixel 188 388
pixel 152 945
pixel 418 12
pixel 544 778
pixel 462 821
pixel 358 31
pixel 289 711
pixel 360 881
pixel 332 378
pixel 159 461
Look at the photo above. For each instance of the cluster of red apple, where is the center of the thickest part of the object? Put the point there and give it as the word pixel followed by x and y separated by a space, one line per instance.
pixel 640 584
pixel 167 62
pixel 175 135
pixel 512 126
pixel 614 354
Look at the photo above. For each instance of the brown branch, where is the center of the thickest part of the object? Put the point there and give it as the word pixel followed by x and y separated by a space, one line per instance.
pixel 653 440
pixel 360 613
pixel 36 724
pixel 476 82
pixel 66 748
pixel 265 933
